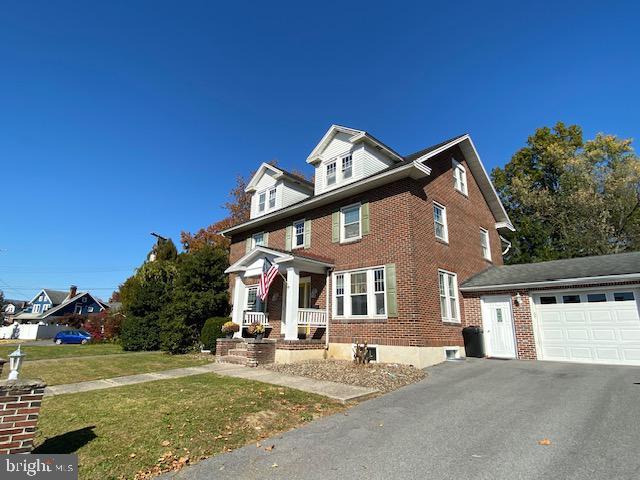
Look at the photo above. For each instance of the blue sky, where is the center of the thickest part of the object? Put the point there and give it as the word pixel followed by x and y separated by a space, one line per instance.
pixel 120 118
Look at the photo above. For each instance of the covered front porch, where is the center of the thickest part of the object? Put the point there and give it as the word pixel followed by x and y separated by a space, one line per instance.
pixel 296 306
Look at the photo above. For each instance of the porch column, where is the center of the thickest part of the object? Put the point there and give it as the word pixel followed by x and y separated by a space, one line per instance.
pixel 238 303
pixel 291 306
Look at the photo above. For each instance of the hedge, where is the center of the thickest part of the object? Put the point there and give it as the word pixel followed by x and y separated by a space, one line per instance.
pixel 211 331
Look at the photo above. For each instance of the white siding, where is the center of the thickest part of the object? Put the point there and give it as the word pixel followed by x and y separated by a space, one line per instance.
pixel 265 182
pixel 292 193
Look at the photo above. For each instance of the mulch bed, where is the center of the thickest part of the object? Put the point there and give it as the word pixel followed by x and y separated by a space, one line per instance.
pixel 382 376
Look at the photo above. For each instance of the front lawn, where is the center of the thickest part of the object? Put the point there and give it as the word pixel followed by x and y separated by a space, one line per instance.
pixel 72 370
pixel 160 425
pixel 60 351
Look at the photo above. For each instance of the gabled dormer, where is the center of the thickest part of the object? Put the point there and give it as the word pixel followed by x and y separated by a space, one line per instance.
pixel 345 155
pixel 273 188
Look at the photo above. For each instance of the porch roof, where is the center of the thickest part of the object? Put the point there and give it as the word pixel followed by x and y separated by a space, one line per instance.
pixel 251 263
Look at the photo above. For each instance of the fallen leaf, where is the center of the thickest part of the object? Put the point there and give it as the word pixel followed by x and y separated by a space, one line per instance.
pixel 258 445
pixel 268 449
pixel 544 441
pixel 132 455
pixel 166 443
pixel 275 465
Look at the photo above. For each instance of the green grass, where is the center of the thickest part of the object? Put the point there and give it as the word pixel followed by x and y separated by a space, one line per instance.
pixel 72 370
pixel 121 431
pixel 60 351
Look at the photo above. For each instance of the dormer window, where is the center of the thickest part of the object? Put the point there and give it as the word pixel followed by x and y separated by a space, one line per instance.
pixel 459 177
pixel 272 198
pixel 331 173
pixel 261 201
pixel 347 167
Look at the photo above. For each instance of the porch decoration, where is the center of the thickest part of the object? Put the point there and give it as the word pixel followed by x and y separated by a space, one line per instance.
pixel 256 329
pixel 266 278
pixel 15 362
pixel 229 328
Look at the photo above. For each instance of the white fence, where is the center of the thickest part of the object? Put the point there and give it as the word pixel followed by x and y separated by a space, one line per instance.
pixel 30 331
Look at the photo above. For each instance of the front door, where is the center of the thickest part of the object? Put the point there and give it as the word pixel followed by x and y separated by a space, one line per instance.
pixel 499 338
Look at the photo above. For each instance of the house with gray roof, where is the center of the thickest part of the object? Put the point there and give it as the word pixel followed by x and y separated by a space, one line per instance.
pixel 48 306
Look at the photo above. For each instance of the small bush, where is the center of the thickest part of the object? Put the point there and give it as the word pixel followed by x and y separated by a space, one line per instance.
pixel 211 331
pixel 140 333
pixel 104 326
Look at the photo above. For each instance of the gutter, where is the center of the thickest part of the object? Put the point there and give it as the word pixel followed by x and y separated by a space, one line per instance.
pixel 552 283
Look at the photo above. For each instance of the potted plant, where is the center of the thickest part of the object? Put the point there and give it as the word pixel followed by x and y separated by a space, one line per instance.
pixel 229 328
pixel 257 330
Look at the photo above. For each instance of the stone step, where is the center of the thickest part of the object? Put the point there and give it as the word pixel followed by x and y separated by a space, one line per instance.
pixel 233 359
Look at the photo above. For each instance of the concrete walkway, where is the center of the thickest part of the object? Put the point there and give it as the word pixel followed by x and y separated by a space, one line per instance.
pixel 336 391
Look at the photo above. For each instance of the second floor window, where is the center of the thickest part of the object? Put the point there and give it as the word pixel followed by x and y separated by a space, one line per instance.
pixel 440 222
pixel 459 177
pixel 350 219
pixel 484 244
pixel 272 198
pixel 298 234
pixel 347 167
pixel 258 239
pixel 261 201
pixel 331 173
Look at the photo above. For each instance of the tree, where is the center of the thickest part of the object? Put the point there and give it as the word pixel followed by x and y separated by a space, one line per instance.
pixel 570 198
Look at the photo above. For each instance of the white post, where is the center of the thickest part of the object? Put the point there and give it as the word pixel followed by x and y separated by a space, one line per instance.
pixel 238 303
pixel 291 307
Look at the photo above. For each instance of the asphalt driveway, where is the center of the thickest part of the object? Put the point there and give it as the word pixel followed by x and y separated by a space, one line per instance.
pixel 478 419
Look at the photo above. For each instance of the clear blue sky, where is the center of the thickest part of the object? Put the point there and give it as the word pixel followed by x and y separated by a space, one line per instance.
pixel 122 117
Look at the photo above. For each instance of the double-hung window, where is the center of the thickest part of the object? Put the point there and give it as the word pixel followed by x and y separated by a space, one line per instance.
pixel 360 293
pixel 272 198
pixel 298 234
pixel 459 177
pixel 350 228
pixel 36 308
pixel 331 173
pixel 347 167
pixel 440 222
pixel 258 239
pixel 448 284
pixel 262 197
pixel 484 244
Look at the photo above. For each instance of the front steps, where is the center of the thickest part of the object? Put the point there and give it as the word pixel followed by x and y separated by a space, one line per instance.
pixel 245 351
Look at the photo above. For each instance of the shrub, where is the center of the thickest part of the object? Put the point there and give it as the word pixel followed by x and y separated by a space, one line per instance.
pixel 140 333
pixel 175 335
pixel 104 326
pixel 73 320
pixel 211 331
pixel 230 327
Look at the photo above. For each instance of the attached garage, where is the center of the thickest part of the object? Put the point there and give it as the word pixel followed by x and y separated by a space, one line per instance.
pixel 577 310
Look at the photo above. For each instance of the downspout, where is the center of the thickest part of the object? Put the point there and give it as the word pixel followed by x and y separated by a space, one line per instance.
pixel 506 250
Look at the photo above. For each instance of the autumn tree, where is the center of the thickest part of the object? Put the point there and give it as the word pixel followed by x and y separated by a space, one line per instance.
pixel 569 198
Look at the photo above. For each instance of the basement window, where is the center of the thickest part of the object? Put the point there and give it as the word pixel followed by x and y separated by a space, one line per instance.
pixel 373 352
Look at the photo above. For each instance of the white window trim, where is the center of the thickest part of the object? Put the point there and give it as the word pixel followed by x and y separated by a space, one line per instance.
pixel 294 236
pixel 444 222
pixel 267 197
pixel 448 318
pixel 353 239
pixel 254 244
pixel 335 173
pixel 342 169
pixel 75 309
pixel 371 298
pixel 484 234
pixel 340 178
pixel 262 206
pixel 36 308
pixel 458 167
pixel 273 190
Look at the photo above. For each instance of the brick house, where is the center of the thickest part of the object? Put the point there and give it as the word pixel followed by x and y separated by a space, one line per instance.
pixel 372 251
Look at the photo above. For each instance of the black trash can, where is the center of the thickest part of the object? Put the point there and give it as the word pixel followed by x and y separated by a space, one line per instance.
pixel 473 341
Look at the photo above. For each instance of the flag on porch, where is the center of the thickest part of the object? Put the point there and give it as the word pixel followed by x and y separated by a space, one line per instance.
pixel 266 279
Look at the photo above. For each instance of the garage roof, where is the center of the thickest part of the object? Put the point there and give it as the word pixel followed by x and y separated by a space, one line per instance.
pixel 621 266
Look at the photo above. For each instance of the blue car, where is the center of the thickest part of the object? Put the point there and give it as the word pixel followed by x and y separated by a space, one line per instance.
pixel 72 336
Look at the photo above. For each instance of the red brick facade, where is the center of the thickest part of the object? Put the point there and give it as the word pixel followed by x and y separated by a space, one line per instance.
pixel 402 233
pixel 19 410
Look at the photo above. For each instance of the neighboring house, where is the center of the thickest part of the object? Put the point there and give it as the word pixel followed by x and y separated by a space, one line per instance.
pixel 577 310
pixel 12 308
pixel 49 305
pixel 373 251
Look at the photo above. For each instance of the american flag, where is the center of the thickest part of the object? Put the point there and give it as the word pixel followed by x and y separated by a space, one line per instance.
pixel 266 279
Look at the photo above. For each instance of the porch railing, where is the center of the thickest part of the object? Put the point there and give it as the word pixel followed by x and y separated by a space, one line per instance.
pixel 313 317
pixel 255 317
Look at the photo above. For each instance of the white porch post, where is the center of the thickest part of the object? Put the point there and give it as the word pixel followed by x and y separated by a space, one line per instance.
pixel 238 303
pixel 291 306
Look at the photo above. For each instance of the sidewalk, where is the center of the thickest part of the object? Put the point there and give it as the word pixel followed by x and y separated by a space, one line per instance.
pixel 337 391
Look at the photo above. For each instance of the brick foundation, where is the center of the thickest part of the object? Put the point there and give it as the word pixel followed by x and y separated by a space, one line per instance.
pixel 20 402
pixel 245 351
pixel 309 344
pixel 223 345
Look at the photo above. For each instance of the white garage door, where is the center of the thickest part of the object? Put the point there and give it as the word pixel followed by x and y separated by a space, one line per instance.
pixel 595 326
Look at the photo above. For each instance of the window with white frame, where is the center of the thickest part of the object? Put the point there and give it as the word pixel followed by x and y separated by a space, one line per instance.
pixel 347 166
pixel 459 177
pixel 440 222
pixel 262 197
pixel 257 240
pixel 339 304
pixel 78 309
pixel 45 307
pixel 331 173
pixel 90 309
pixel 448 283
pixel 253 303
pixel 298 234
pixel 272 198
pixel 41 298
pixel 36 308
pixel 350 227
pixel 484 244
pixel 360 293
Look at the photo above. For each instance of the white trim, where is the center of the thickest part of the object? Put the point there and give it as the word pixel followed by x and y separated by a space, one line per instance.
pixel 484 235
pixel 447 297
pixel 456 167
pixel 254 244
pixel 484 313
pixel 342 224
pixel 278 174
pixel 279 258
pixel 345 191
pixel 371 298
pixel 444 222
pixel 294 244
pixel 559 282
pixel 38 294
